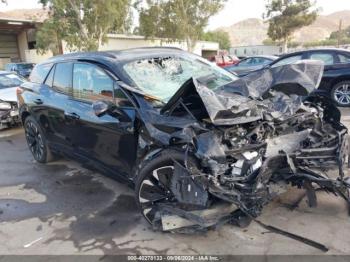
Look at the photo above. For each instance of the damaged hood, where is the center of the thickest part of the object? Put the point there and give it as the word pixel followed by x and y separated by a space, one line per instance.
pixel 272 93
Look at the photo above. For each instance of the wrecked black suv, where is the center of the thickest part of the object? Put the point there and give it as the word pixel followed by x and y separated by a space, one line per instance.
pixel 200 146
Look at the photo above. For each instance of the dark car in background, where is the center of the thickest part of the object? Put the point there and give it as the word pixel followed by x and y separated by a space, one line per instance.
pixel 335 81
pixel 249 64
pixel 9 82
pixel 22 69
pixel 198 144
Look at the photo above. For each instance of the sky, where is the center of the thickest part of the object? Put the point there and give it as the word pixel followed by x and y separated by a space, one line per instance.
pixel 237 10
pixel 234 10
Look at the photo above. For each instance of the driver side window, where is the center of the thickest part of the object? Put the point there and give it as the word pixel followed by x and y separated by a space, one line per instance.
pixel 91 83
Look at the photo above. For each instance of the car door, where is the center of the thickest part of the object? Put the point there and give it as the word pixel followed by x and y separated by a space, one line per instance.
pixel 56 101
pixel 108 140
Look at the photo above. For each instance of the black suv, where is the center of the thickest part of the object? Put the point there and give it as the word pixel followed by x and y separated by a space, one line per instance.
pixel 199 145
pixel 335 82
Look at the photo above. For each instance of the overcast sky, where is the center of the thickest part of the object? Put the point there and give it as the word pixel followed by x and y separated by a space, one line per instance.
pixel 234 10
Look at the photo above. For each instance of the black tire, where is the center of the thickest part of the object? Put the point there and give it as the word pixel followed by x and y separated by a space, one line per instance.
pixel 146 194
pixel 36 141
pixel 340 93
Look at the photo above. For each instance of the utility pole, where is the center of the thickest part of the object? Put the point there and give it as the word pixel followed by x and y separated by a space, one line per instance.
pixel 339 32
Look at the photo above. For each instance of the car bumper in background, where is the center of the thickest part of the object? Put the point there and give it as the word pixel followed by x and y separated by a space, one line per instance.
pixel 9 117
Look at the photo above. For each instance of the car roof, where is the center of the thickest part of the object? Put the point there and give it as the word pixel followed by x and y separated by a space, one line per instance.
pixel 263 56
pixel 115 59
pixel 341 50
pixel 120 55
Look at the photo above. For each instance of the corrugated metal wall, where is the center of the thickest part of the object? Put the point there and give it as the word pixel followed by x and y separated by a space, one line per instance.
pixel 8 46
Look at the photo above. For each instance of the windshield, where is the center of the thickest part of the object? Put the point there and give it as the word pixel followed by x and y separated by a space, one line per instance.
pixel 162 77
pixel 24 66
pixel 10 80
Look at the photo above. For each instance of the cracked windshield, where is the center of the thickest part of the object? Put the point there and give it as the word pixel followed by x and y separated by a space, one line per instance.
pixel 162 77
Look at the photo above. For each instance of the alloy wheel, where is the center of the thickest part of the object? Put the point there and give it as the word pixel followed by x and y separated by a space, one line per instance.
pixel 342 94
pixel 34 140
pixel 155 189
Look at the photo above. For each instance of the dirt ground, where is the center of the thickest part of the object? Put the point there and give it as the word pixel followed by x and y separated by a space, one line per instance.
pixel 63 208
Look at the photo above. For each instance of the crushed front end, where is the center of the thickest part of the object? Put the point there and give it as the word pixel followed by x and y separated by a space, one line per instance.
pixel 251 140
pixel 251 163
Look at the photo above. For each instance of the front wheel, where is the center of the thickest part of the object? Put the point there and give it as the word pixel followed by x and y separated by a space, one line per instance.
pixel 153 184
pixel 341 93
pixel 36 141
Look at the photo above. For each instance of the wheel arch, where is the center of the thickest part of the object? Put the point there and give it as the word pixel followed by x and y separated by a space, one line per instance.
pixel 168 152
pixel 339 79
pixel 24 115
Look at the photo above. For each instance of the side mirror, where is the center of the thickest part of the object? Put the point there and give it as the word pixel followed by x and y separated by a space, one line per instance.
pixel 105 107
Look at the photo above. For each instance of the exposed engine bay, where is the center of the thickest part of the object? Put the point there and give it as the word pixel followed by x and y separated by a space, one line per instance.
pixel 249 141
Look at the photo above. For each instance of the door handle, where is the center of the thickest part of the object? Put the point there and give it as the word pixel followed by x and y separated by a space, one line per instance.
pixel 72 115
pixel 38 101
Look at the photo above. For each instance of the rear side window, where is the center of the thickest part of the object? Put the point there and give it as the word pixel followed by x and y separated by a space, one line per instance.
pixel 39 73
pixel 288 60
pixel 62 81
pixel 264 61
pixel 327 58
pixel 344 59
pixel 245 62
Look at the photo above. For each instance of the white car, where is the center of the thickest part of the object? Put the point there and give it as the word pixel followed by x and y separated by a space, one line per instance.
pixel 8 99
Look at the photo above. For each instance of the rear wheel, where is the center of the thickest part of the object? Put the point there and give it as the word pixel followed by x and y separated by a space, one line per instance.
pixel 36 141
pixel 341 93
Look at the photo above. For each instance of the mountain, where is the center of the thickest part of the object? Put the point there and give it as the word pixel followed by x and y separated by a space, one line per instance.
pixel 36 14
pixel 250 31
pixel 253 31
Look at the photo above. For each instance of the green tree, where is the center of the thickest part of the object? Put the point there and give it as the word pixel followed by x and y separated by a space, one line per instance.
pixel 82 24
pixel 177 19
pixel 343 34
pixel 49 38
pixel 269 41
pixel 335 38
pixel 219 36
pixel 286 16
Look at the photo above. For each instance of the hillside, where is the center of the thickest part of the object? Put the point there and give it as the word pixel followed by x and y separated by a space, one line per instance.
pixel 37 14
pixel 253 31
